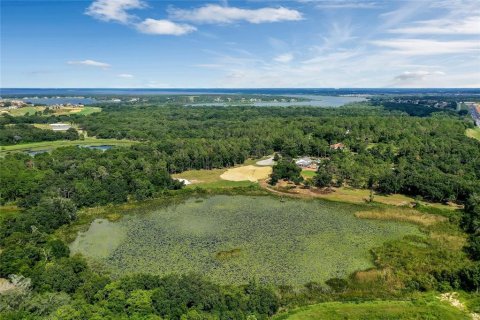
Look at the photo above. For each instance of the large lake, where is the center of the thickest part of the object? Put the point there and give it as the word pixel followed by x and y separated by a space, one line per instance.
pixel 311 100
pixel 59 100
pixel 233 239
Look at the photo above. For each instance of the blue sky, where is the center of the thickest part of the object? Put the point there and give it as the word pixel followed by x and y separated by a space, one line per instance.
pixel 214 44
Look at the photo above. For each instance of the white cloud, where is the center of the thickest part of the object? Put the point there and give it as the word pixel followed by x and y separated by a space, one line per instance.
pixel 125 75
pixel 428 47
pixel 284 58
pixel 90 63
pixel 114 10
pixel 417 75
pixel 212 13
pixel 164 27
pixel 465 25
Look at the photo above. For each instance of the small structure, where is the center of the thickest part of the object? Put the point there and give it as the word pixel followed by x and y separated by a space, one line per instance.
pixel 60 126
pixel 337 146
pixel 304 162
pixel 185 181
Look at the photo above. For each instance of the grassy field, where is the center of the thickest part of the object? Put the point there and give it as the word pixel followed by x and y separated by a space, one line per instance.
pixel 49 145
pixel 473 133
pixel 402 215
pixel 306 174
pixel 24 111
pixel 63 111
pixel 8 210
pixel 359 196
pixel 211 179
pixel 201 176
pixel 89 110
pixel 429 308
pixel 285 241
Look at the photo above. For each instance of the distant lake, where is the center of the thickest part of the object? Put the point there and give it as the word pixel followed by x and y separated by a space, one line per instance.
pixel 102 147
pixel 71 92
pixel 60 100
pixel 312 100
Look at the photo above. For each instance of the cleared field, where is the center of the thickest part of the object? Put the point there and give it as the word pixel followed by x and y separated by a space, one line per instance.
pixel 200 176
pixel 234 239
pixel 473 133
pixel 430 308
pixel 246 173
pixel 62 111
pixel 89 110
pixel 24 111
pixel 49 145
pixel 243 176
pixel 358 196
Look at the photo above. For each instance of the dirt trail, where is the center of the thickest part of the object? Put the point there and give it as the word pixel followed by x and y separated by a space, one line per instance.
pixel 452 298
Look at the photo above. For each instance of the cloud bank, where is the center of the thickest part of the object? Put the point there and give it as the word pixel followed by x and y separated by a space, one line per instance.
pixel 217 14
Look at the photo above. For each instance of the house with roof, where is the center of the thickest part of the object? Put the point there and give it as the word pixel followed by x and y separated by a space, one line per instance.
pixel 304 162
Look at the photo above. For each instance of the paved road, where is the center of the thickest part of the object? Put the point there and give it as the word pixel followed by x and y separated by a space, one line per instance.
pixel 475 112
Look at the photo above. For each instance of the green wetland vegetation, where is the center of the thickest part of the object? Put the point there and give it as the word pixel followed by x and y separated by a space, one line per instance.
pixel 234 239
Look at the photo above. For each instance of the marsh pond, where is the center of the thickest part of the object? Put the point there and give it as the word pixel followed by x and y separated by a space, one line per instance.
pixel 234 239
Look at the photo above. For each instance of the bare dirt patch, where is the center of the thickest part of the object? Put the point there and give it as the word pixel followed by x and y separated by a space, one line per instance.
pixel 250 173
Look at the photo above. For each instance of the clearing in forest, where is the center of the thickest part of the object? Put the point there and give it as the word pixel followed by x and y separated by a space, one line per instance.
pixel 473 133
pixel 250 173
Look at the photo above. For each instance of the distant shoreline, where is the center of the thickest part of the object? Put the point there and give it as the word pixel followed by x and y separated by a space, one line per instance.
pixel 4 92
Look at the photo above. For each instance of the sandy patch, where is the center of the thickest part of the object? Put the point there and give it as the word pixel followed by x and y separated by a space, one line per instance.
pixel 250 173
pixel 5 285
pixel 452 298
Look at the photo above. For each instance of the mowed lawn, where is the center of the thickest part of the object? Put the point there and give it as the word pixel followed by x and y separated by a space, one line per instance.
pixel 49 145
pixel 373 310
pixel 473 133
pixel 210 179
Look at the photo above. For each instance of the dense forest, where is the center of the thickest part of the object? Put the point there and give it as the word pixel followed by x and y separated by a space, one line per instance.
pixel 22 133
pixel 420 156
pixel 385 149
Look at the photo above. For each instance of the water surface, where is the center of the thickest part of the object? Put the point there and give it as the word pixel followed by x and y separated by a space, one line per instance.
pixel 233 239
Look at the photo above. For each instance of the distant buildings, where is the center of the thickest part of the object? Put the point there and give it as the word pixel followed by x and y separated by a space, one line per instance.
pixel 475 111
pixel 12 104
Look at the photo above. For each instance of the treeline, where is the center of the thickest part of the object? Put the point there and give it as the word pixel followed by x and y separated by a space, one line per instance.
pixel 471 225
pixel 87 177
pixel 23 133
pixel 429 157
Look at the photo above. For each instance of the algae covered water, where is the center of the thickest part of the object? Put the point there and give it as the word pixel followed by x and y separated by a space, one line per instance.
pixel 234 239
